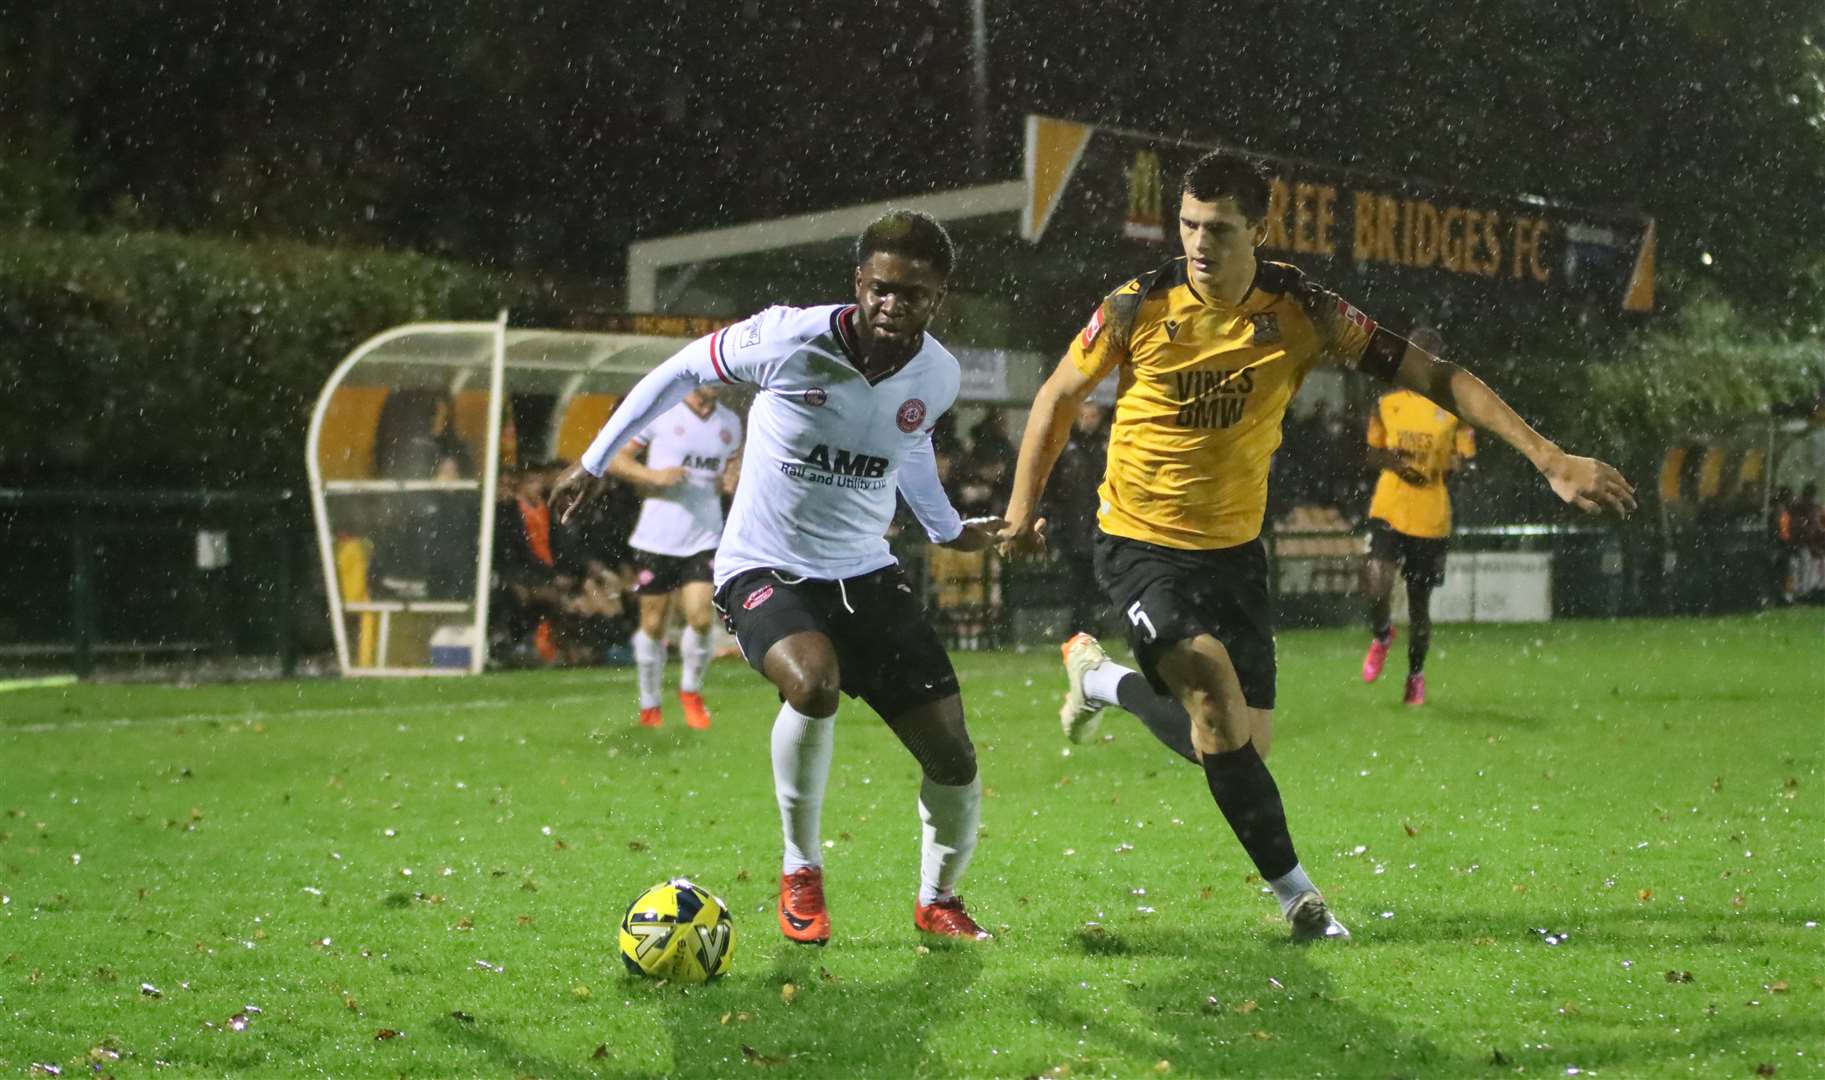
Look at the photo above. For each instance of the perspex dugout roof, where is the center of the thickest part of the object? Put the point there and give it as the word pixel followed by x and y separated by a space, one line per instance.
pixel 404 454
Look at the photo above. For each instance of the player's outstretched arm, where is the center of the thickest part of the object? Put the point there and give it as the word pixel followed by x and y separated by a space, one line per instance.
pixel 1048 429
pixel 657 391
pixel 626 465
pixel 1380 457
pixel 1588 484
pixel 731 473
pixel 978 533
pixel 918 483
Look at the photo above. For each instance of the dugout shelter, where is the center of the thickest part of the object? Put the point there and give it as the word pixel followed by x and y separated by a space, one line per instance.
pixel 405 455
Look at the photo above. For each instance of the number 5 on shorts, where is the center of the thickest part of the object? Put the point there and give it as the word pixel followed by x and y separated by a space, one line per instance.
pixel 1139 618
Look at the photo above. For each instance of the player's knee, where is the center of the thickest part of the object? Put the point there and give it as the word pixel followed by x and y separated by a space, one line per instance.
pixel 947 758
pixel 951 762
pixel 1212 725
pixel 814 700
pixel 813 691
pixel 1215 738
pixel 939 741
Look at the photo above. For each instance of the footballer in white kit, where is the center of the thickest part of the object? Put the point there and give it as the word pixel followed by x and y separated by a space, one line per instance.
pixel 689 451
pixel 846 396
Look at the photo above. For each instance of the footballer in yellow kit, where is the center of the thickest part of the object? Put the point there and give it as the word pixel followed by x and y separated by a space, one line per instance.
pixel 1204 386
pixel 1209 349
pixel 1417 446
pixel 1433 444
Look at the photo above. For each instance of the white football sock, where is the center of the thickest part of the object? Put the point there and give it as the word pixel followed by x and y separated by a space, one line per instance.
pixel 801 769
pixel 694 649
pixel 1290 886
pixel 649 667
pixel 947 837
pixel 1100 681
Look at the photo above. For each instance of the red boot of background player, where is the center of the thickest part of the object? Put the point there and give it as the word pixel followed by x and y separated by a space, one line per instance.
pixel 1378 655
pixel 695 715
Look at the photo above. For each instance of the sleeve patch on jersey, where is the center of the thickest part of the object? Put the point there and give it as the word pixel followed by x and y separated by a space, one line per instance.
pixel 751 335
pixel 1093 327
pixel 1355 316
pixel 1381 359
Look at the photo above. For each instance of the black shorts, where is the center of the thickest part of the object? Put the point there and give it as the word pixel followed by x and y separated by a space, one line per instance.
pixel 1421 559
pixel 656 574
pixel 1168 595
pixel 886 652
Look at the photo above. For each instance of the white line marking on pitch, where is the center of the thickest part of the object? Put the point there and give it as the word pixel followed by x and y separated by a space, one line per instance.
pixel 291 714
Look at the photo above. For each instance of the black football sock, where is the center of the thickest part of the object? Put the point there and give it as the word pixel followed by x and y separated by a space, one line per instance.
pixel 1419 642
pixel 1250 801
pixel 1379 623
pixel 1164 716
pixel 1419 629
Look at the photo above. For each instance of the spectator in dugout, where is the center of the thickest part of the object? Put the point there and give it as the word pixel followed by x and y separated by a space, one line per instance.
pixel 527 590
pixel 1070 512
pixel 1802 536
pixel 424 541
pixel 559 591
pixel 966 581
pixel 592 549
pixel 1780 537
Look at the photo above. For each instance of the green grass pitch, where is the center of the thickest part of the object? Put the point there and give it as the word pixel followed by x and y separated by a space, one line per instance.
pixel 1599 851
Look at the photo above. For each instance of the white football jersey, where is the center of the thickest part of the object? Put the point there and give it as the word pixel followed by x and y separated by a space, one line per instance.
pixel 826 446
pixel 686 518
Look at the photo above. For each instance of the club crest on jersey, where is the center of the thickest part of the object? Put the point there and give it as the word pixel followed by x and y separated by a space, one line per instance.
pixel 1093 327
pixel 1355 317
pixel 911 415
pixel 757 598
pixel 816 396
pixel 1267 329
pixel 726 436
pixel 678 431
pixel 750 336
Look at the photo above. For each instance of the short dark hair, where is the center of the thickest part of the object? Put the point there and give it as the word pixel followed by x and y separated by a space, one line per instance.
pixel 911 234
pixel 1219 174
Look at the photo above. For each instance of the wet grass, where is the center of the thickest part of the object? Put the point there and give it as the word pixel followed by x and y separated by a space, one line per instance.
pixel 1598 849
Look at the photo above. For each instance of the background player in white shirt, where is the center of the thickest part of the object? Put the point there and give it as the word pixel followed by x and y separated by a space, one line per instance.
pixel 847 397
pixel 689 451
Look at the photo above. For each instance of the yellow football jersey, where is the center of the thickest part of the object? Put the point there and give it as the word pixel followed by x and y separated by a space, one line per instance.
pixel 1432 441
pixel 1203 388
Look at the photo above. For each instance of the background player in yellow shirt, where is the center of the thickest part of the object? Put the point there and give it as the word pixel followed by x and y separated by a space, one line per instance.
pixel 1417 445
pixel 1210 348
